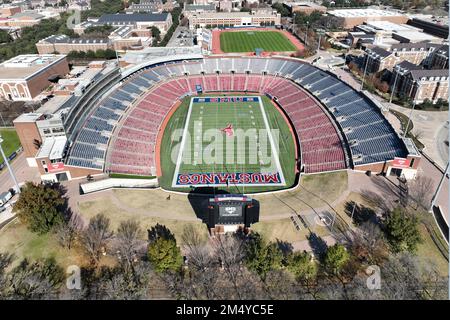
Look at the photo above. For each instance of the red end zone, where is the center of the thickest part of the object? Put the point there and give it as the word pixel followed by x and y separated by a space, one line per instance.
pixel 216 40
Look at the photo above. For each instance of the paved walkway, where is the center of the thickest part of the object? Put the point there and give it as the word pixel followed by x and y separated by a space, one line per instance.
pixel 22 171
pixel 432 128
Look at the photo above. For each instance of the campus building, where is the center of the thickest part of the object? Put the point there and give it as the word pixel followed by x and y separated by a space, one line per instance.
pixel 63 44
pixel 304 7
pixel 378 59
pixel 24 77
pixel 150 6
pixel 232 19
pixel 9 10
pixel 137 21
pixel 22 19
pixel 349 18
pixel 439 59
pixel 421 84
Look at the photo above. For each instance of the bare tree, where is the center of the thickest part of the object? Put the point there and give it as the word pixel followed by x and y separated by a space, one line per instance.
pixel 96 237
pixel 198 252
pixel 67 232
pixel 368 244
pixel 420 190
pixel 5 262
pixel 127 284
pixel 228 250
pixel 38 280
pixel 128 242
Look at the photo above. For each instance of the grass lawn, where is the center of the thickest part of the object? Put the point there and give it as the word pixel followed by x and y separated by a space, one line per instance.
pixel 149 207
pixel 129 176
pixel 17 239
pixel 247 41
pixel 404 122
pixel 284 230
pixel 11 142
pixel 313 192
pixel 428 251
pixel 247 120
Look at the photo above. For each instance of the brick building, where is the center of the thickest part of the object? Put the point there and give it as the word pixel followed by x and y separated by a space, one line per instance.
pixel 416 53
pixel 439 59
pixel 22 19
pixel 64 44
pixel 423 84
pixel 9 10
pixel 24 77
pixel 230 19
pixel 304 7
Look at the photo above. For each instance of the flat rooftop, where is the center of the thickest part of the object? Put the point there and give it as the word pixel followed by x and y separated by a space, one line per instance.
pixel 28 117
pixel 138 56
pixel 359 13
pixel 417 36
pixel 52 148
pixel 228 15
pixel 303 4
pixel 389 26
pixel 25 66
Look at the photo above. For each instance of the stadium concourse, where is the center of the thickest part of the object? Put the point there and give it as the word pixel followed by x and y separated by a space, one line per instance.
pixel 337 127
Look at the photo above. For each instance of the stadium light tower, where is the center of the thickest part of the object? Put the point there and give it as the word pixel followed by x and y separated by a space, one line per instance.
pixel 395 84
pixel 13 177
pixel 364 74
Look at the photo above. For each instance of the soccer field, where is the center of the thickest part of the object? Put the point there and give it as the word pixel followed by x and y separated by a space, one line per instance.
pixel 247 41
pixel 227 144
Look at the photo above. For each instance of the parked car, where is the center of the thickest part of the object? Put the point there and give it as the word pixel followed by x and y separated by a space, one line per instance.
pixel 5 197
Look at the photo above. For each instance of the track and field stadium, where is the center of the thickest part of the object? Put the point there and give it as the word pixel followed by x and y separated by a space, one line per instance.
pixel 312 123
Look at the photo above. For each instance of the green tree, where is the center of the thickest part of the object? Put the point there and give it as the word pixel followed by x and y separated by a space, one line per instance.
pixel 402 231
pixel 156 34
pixel 335 259
pixel 262 257
pixel 302 266
pixel 163 252
pixel 4 36
pixel 40 206
pixel 281 9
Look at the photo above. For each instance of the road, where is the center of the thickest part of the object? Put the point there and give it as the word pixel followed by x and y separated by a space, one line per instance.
pixel 23 173
pixel 432 129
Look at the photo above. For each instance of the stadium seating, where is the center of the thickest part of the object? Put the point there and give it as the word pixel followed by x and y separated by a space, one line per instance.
pixel 133 113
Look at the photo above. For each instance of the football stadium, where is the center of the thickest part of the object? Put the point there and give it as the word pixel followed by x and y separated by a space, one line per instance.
pixel 159 118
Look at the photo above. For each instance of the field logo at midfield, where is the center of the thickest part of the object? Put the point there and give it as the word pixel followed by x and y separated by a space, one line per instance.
pixel 205 155
pixel 228 130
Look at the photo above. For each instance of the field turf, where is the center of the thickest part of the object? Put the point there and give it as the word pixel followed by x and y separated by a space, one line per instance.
pixel 248 41
pixel 219 115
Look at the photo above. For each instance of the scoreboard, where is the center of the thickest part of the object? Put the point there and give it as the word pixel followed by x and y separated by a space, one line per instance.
pixel 232 209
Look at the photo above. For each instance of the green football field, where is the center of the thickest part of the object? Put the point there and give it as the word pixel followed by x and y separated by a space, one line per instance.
pixel 247 41
pixel 248 147
pixel 11 142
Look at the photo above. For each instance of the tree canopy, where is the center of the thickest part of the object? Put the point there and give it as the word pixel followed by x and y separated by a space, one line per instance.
pixel 163 252
pixel 402 231
pixel 261 257
pixel 41 206
pixel 336 257
pixel 302 266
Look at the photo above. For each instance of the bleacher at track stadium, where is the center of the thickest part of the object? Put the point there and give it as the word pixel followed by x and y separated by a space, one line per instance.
pixel 337 127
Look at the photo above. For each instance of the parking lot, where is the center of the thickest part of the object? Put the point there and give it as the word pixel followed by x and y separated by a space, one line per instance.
pixel 182 37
